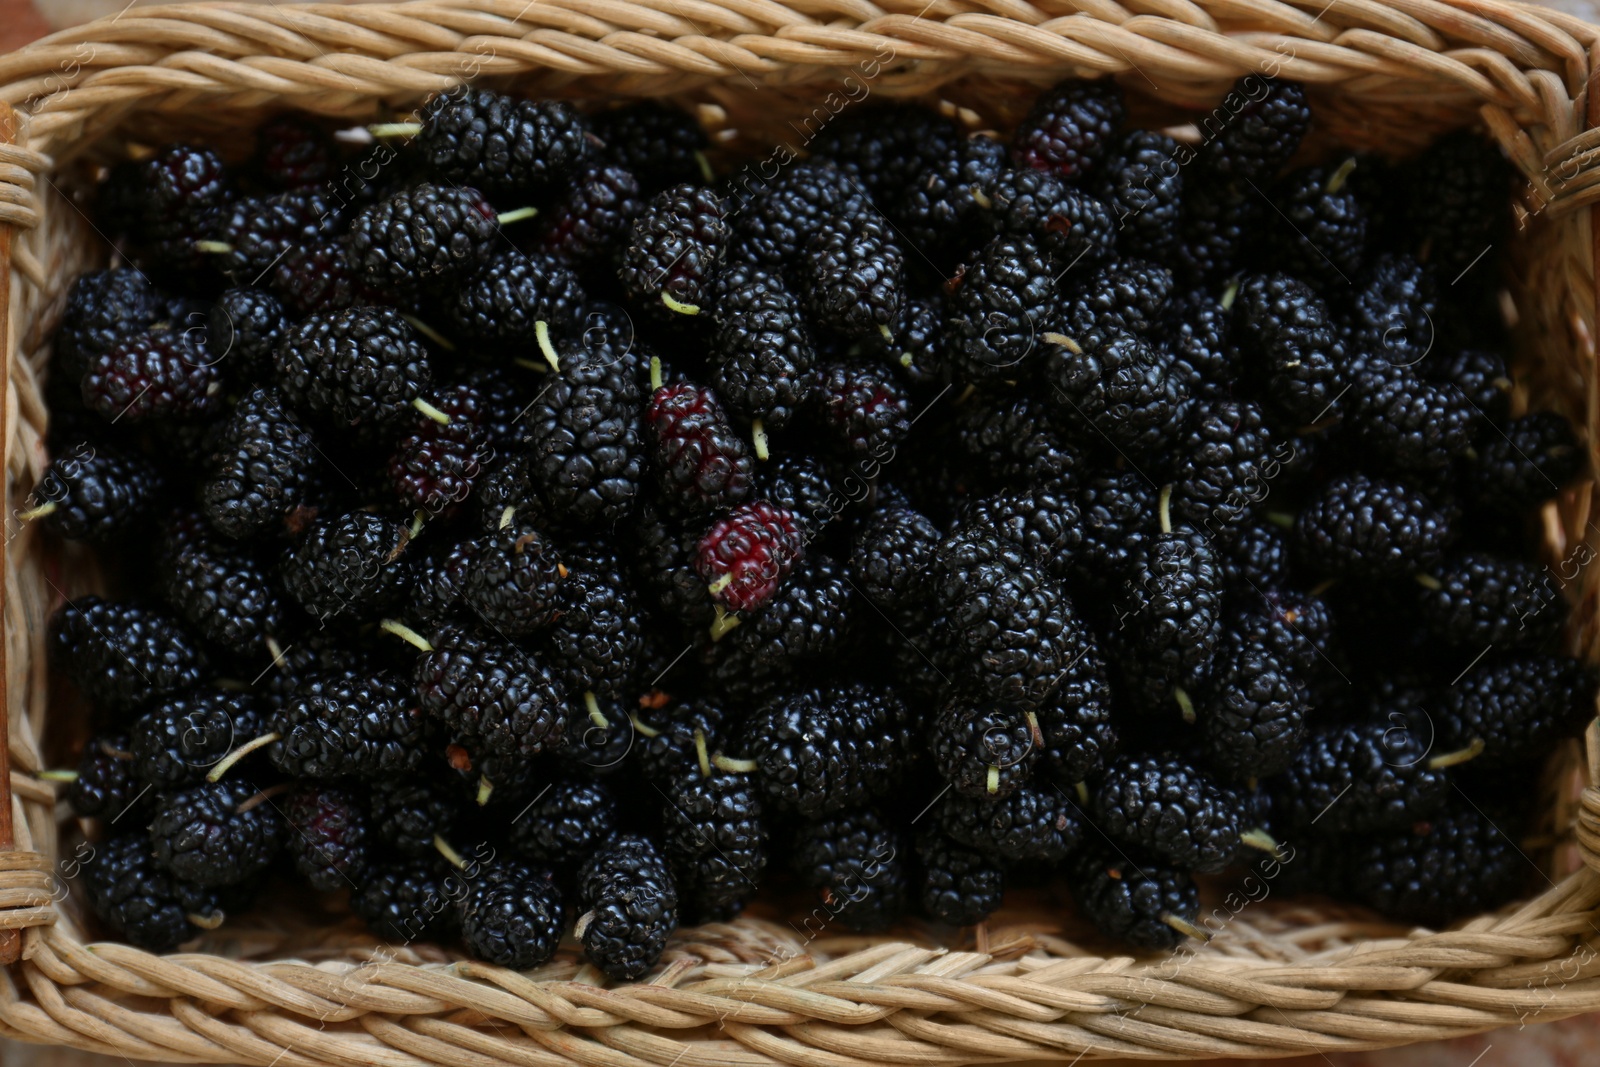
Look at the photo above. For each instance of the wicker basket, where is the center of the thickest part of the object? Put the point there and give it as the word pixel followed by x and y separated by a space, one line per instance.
pixel 303 985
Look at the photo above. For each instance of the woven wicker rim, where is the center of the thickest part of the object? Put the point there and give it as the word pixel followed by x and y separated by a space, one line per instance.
pixel 751 993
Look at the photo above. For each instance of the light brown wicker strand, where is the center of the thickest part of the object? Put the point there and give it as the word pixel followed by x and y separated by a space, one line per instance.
pixel 10 937
pixel 1288 979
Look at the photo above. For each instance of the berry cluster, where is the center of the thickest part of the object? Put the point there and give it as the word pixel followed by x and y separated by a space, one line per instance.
pixel 548 535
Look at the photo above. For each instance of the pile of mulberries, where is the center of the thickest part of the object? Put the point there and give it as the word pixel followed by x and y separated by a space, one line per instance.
pixel 537 536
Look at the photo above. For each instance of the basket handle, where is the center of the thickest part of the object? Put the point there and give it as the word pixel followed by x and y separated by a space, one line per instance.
pixel 10 940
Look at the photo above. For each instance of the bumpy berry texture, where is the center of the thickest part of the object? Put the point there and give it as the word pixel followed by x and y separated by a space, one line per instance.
pixel 216 834
pixel 348 723
pixel 1360 777
pixel 498 143
pixel 659 144
pixel 700 459
pixel 141 902
pixel 512 916
pixel 327 836
pixel 489 694
pixel 1171 809
pixel 823 750
pixel 514 580
pixel 357 367
pixel 1070 128
pixel 1329 237
pixel 1263 123
pixel 1371 528
pixel 505 299
pixel 891 551
pixel 761 347
pixel 856 860
pixel 425 236
pixel 1457 200
pixel 597 639
pixel 981 749
pixel 1126 391
pixel 630 906
pixel 106 787
pixel 747 554
pixel 1134 899
pixel 94 492
pixel 852 275
pixel 675 251
pixel 883 149
pixel 994 324
pixel 1454 864
pixel 1532 460
pixel 164 374
pixel 410 900
pixel 350 567
pixel 227 592
pixel 407 814
pixel 1517 706
pixel 1077 231
pixel 183 738
pixel 594 218
pixel 1291 344
pixel 103 308
pixel 242 329
pixel 567 823
pixel 715 839
pixel 262 466
pixel 1255 719
pixel 1141 181
pixel 957 885
pixel 123 655
pixel 1477 600
pixel 1034 823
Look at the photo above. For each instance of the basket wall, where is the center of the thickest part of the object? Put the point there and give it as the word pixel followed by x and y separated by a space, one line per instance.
pixel 292 987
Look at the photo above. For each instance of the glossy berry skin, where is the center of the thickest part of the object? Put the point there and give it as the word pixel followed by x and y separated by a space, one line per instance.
pixel 983 750
pixel 1034 823
pixel 425 236
pixel 139 901
pixel 1230 461
pixel 851 275
pixel 660 144
pixel 1074 229
pixel 1265 120
pixel 883 149
pixel 501 144
pixel 597 638
pixel 263 232
pixel 1141 181
pixel 1329 239
pixel 405 814
pixel 591 223
pixel 1295 628
pixel 1368 527
pixel 716 840
pixel 1169 808
pixel 103 309
pixel 1256 717
pixel 1291 345
pixel 1477 600
pixel 1534 459
pixel 261 468
pixel 348 723
pixel 1128 390
pixel 675 251
pixel 865 410
pixel 1196 327
pixel 349 567
pixel 890 552
pixel 410 899
pixel 201 836
pixel 1410 425
pixel 1019 440
pixel 328 836
pixel 1518 705
pixel 1455 863
pixel 993 324
pixel 503 300
pixel 630 906
pixel 106 787
pixel 761 350
pixel 701 461
pixel 99 491
pixel 1119 512
pixel 123 655
pixel 943 213
pixel 824 750
pixel 163 374
pixel 512 916
pixel 513 583
pixel 567 823
pixel 747 554
pixel 776 217
pixel 856 860
pixel 1130 899
pixel 434 467
pixel 1360 777
pixel 242 328
pixel 1077 730
pixel 180 740
pixel 359 366
pixel 957 885
pixel 227 592
pixel 1170 608
pixel 489 695
pixel 1070 128
pixel 585 438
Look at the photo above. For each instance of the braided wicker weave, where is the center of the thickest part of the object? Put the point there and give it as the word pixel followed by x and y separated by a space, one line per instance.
pixel 301 986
